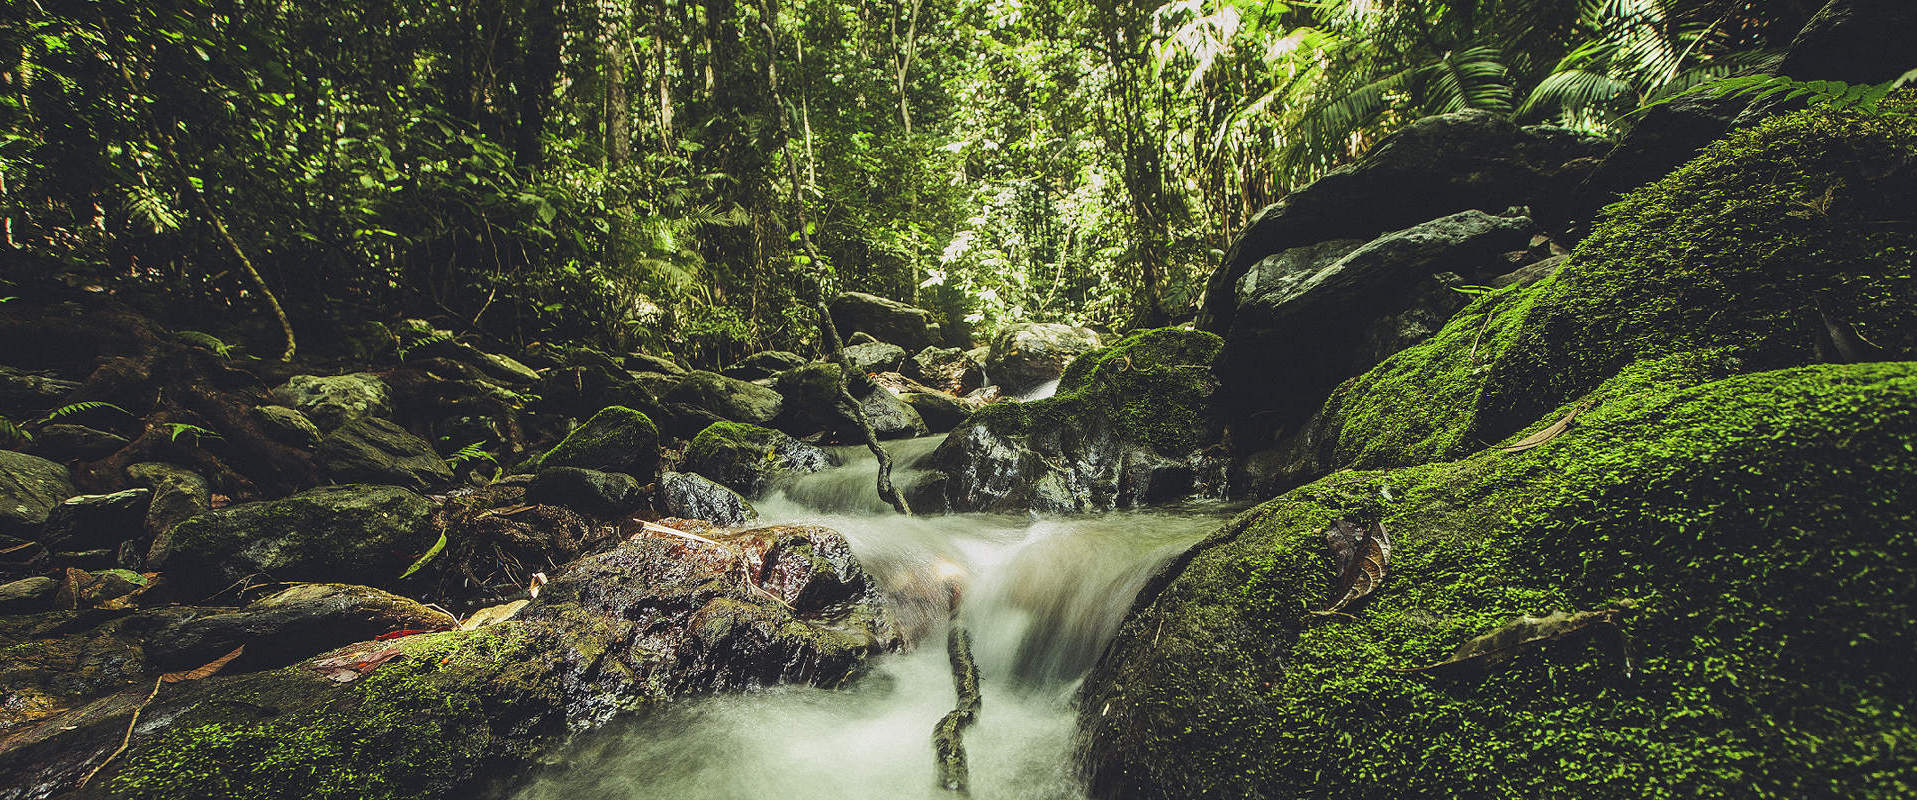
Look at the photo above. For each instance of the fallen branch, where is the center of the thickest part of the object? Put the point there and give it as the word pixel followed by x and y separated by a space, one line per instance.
pixel 948 737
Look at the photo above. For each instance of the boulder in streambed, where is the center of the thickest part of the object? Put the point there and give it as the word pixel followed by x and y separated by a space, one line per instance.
pixel 690 496
pixel 1027 355
pixel 440 715
pixel 728 398
pixel 616 439
pixel 750 459
pixel 601 494
pixel 763 365
pixel 891 321
pixel 375 450
pixel 30 487
pixel 947 369
pixel 875 357
pixel 941 412
pixel 814 404
pixel 1129 426
pixel 354 532
pixel 333 401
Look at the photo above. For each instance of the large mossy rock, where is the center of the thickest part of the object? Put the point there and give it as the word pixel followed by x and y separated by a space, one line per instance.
pixel 815 404
pixel 374 450
pixel 331 401
pixel 1791 243
pixel 749 459
pixel 30 487
pixel 727 398
pixel 691 496
pixel 1752 536
pixel 891 321
pixel 616 439
pixel 1127 427
pixel 1431 168
pixel 449 713
pixel 352 533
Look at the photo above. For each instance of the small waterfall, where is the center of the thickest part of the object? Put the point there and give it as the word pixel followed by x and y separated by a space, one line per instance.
pixel 1041 597
pixel 1042 391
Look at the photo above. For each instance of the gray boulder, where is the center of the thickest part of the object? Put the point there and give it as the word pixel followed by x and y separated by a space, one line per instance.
pixel 905 325
pixel 30 486
pixel 1027 355
pixel 177 494
pixel 354 532
pixel 288 426
pixel 947 369
pixel 601 494
pixel 334 401
pixel 762 365
pixel 288 625
pixel 374 450
pixel 814 403
pixel 751 459
pixel 941 412
pixel 728 398
pixel 691 496
pixel 617 439
pixel 93 521
pixel 875 357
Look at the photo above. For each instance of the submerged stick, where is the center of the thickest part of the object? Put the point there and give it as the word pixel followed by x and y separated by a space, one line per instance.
pixel 948 737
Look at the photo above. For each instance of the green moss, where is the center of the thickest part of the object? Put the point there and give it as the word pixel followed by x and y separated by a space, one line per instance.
pixel 1756 527
pixel 415 726
pixel 1754 251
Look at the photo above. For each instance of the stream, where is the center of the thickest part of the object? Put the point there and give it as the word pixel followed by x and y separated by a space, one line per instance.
pixel 1041 598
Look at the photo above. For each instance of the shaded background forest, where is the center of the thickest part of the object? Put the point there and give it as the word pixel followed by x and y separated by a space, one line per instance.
pixel 683 175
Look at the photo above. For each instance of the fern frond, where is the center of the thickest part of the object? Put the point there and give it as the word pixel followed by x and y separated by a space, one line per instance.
pixel 471 452
pixel 174 430
pixel 1865 98
pixel 13 435
pixel 81 408
pixel 424 340
pixel 208 341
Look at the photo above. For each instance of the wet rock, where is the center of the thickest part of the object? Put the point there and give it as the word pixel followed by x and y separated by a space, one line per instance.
pixel 67 442
pixel 947 369
pixel 1029 354
pixel 495 366
pixel 27 595
pixel 658 617
pixel 691 496
pixel 859 338
pixel 1130 426
pixel 907 326
pixel 287 626
pixel 355 532
pixel 30 487
pixel 288 427
pixel 334 401
pixel 1429 169
pixel 99 589
pixel 601 494
pixel 581 391
pixel 177 494
pixel 729 398
pixel 1308 323
pixel 751 459
pixel 22 392
pixel 763 365
pixel 813 405
pixel 616 439
pixel 875 357
pixel 941 412
pixel 374 450
pixel 92 521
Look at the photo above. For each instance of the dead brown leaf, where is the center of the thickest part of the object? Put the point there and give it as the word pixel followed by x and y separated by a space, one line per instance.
pixel 1506 642
pixel 204 670
pixel 1550 432
pixel 1362 552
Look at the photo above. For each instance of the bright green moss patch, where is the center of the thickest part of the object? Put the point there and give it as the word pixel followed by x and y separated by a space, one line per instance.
pixel 1153 387
pixel 1790 243
pixel 1757 529
pixel 616 439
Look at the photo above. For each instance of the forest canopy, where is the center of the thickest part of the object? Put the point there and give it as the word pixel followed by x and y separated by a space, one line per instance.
pixel 690 175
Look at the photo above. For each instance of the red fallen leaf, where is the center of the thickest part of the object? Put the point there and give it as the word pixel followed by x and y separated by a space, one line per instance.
pixel 352 666
pixel 404 632
pixel 203 671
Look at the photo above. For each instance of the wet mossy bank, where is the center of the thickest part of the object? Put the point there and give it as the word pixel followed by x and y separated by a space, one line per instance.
pixel 1715 470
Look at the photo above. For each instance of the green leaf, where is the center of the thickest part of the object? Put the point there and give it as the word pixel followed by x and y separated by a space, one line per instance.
pixel 430 552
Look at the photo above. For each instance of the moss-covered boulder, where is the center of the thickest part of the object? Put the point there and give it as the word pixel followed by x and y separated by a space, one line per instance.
pixel 1128 427
pixel 1790 243
pixel 30 486
pixel 374 450
pixel 815 395
pixel 617 439
pixel 763 364
pixel 351 533
pixel 728 398
pixel 444 715
pixel 1748 537
pixel 749 459
pixel 331 401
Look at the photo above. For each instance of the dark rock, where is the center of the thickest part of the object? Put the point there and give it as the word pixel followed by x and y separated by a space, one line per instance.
pixel 751 459
pixel 875 357
pixel 502 368
pixel 617 439
pixel 177 495
pixel 729 398
pixel 601 494
pixel 30 486
pixel 22 393
pixel 27 595
pixel 91 521
pixel 287 626
pixel 67 442
pixel 374 450
pixel 1129 426
pixel 940 411
pixel 1308 324
pixel 1431 168
pixel 947 369
pixel 355 532
pixel 814 397
pixel 763 365
pixel 859 338
pixel 658 617
pixel 334 401
pixel 288 427
pixel 690 496
pixel 891 321
pixel 580 392
pixel 643 362
pixel 1029 354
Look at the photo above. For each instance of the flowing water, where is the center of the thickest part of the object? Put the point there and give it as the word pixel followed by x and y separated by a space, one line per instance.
pixel 1041 598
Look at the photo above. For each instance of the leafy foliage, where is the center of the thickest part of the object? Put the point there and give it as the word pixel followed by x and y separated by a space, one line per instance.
pixel 76 409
